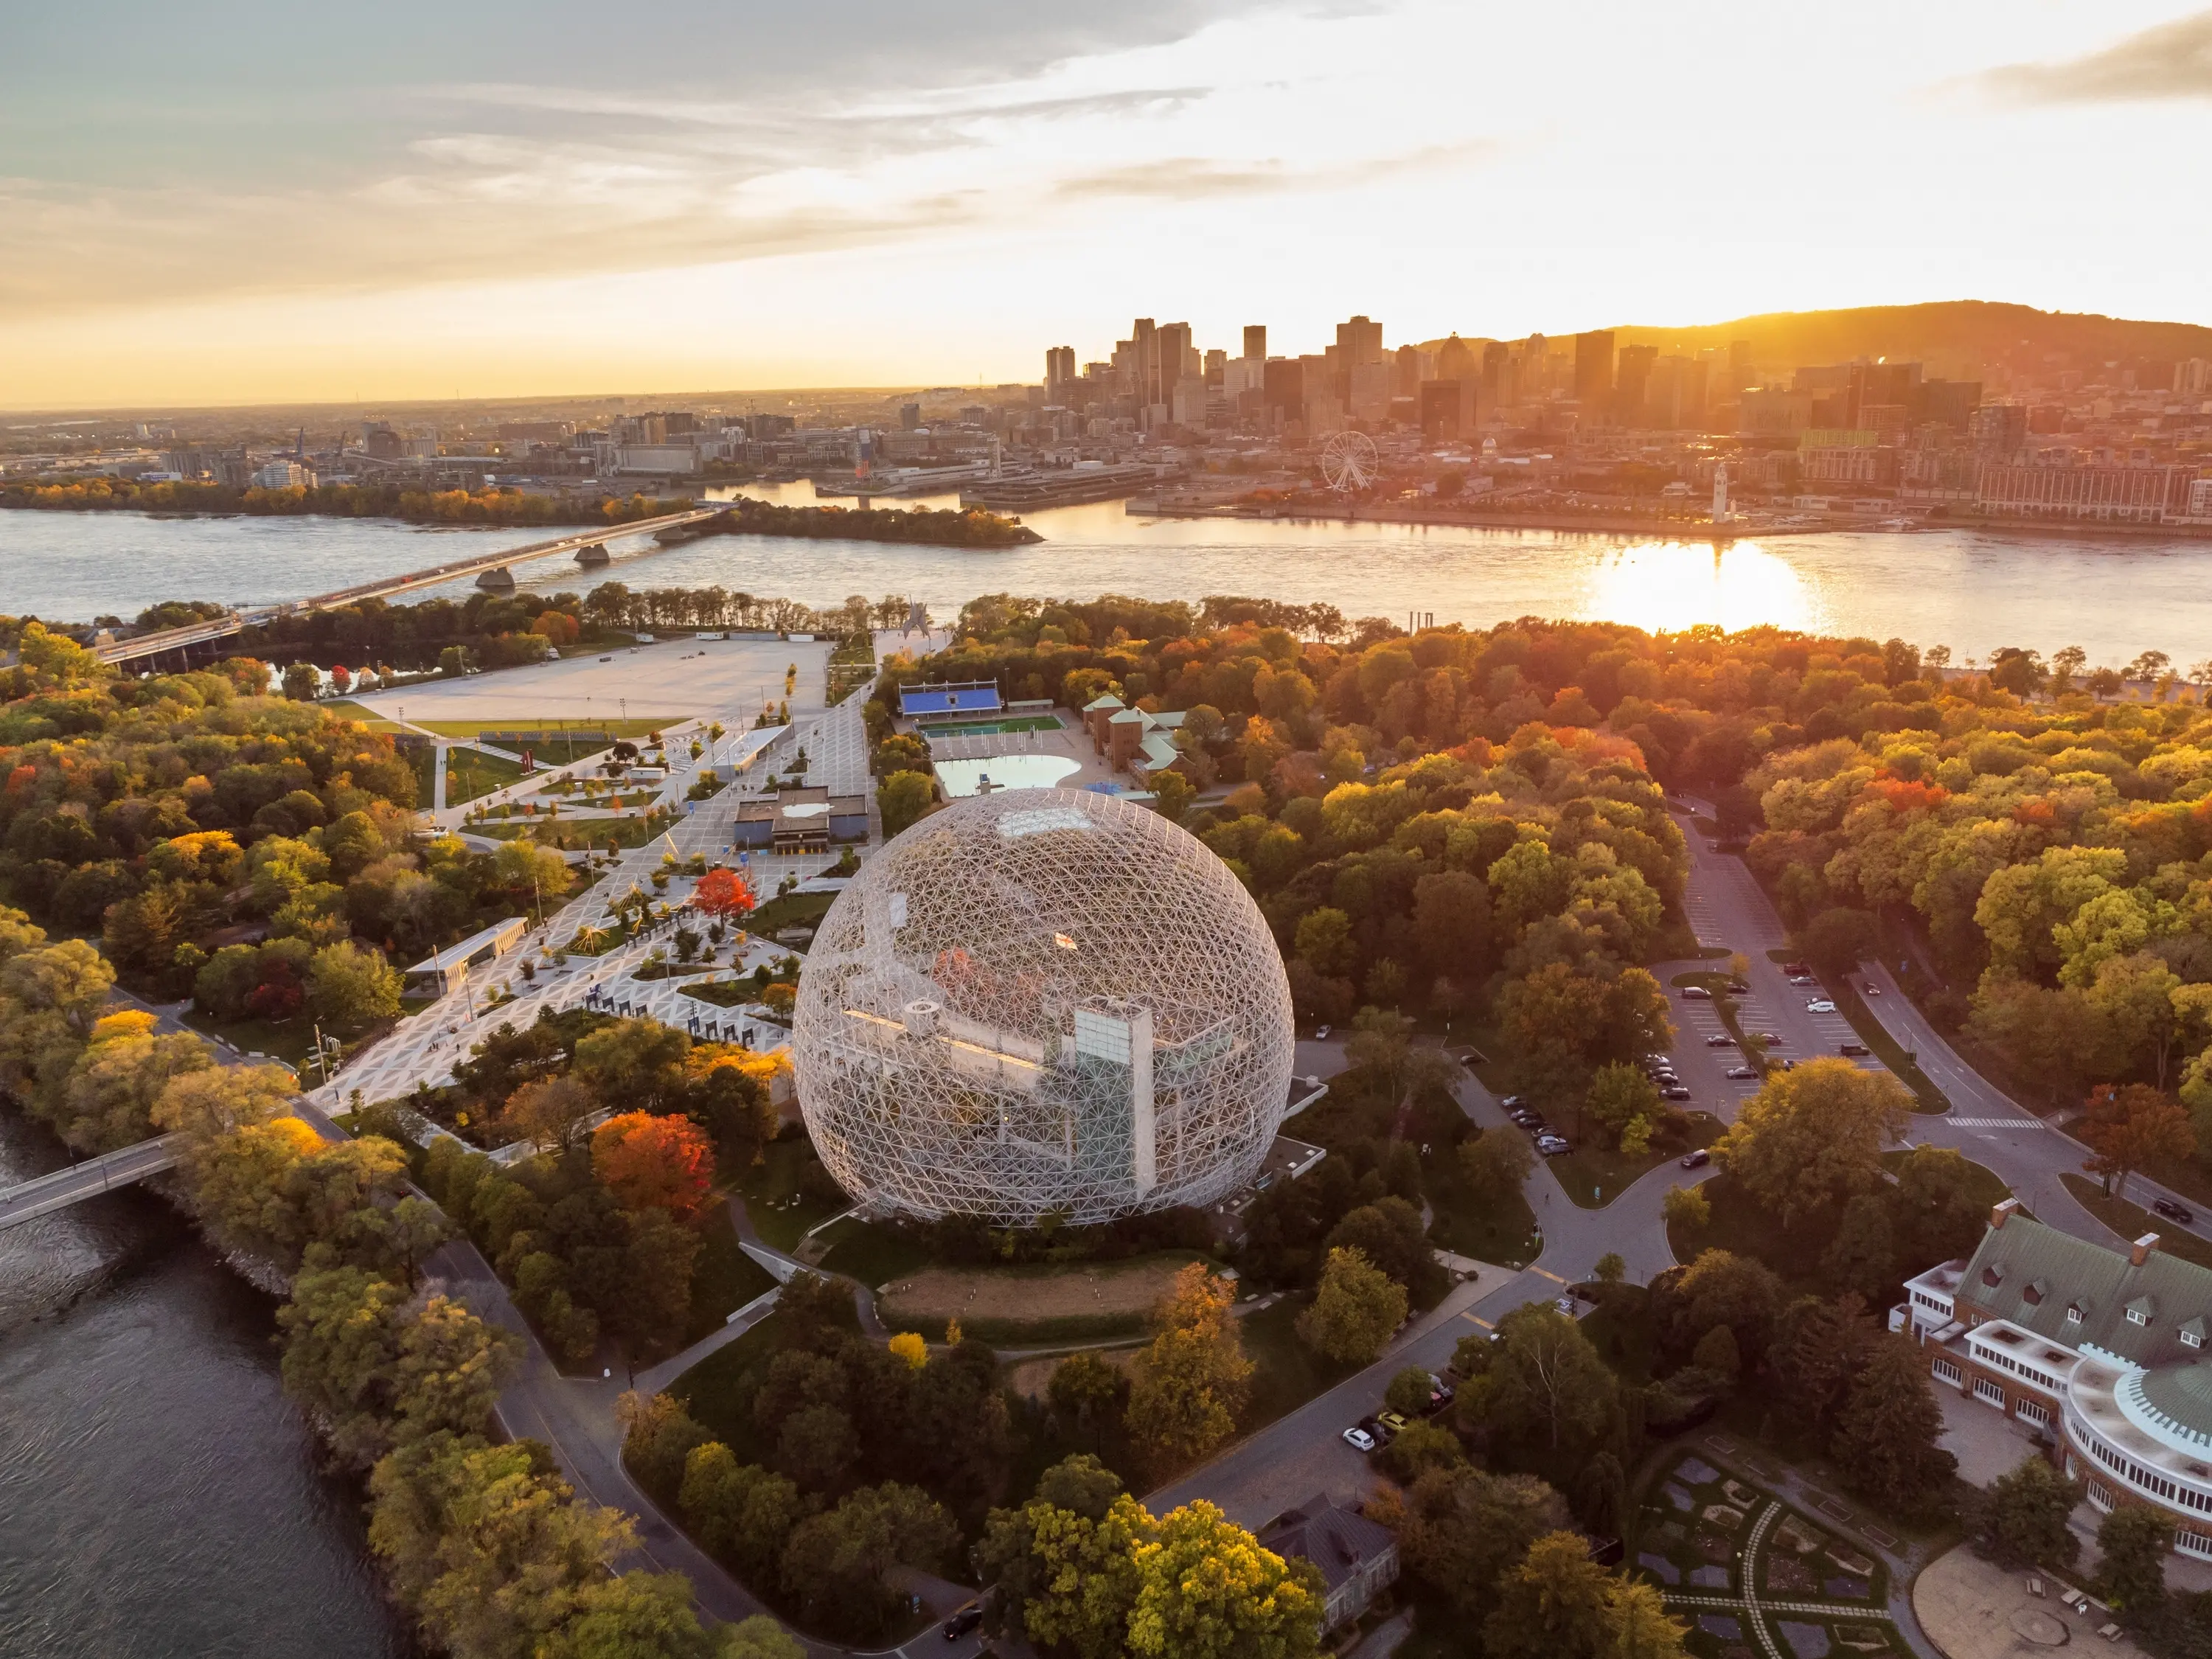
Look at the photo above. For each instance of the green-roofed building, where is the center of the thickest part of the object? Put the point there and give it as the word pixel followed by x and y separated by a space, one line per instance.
pixel 2100 1353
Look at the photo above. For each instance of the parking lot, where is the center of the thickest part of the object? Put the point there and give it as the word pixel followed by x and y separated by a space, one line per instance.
pixel 670 679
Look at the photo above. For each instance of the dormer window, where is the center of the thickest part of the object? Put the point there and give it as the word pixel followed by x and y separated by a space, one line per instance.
pixel 2138 1316
pixel 2192 1340
pixel 2032 1294
pixel 1993 1275
pixel 2073 1311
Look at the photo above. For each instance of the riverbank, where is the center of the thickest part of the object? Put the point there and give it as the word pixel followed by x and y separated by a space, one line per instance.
pixel 1898 519
pixel 501 509
pixel 947 527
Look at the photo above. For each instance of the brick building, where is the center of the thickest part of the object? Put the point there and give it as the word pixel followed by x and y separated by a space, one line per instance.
pixel 2100 1354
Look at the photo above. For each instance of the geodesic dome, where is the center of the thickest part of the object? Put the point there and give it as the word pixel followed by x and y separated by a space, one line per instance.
pixel 1043 1000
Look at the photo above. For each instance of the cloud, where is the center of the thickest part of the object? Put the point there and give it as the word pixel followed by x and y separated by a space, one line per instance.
pixel 1193 178
pixel 2174 60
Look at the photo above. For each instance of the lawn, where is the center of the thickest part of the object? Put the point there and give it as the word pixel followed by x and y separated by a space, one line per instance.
pixel 716 1391
pixel 1503 1233
pixel 1031 1305
pixel 346 709
pixel 872 1252
pixel 470 773
pixel 792 910
pixel 1287 1373
pixel 725 993
pixel 290 1041
pixel 567 832
pixel 789 1192
pixel 1591 1171
pixel 724 1279
pixel 2133 1221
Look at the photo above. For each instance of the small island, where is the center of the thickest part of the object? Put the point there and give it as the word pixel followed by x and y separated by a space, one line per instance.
pixel 972 526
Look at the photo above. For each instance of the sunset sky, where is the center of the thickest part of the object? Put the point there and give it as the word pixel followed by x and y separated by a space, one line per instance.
pixel 422 201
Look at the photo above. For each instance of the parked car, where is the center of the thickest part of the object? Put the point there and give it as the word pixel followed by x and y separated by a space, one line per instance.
pixel 1392 1421
pixel 963 1621
pixel 1321 1033
pixel 2174 1211
pixel 1768 1037
pixel 1855 1050
pixel 1743 1073
pixel 1719 1040
pixel 1358 1439
pixel 1673 1091
pixel 1553 1146
pixel 1376 1431
pixel 1528 1120
pixel 1821 1006
pixel 1697 1160
pixel 1796 967
pixel 1697 993
pixel 1440 1393
pixel 1739 985
pixel 1514 1103
pixel 1802 979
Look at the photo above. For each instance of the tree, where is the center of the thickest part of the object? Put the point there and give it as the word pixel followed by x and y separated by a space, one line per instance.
pixel 301 682
pixel 1939 1214
pixel 1354 1311
pixel 1205 1586
pixel 1623 1098
pixel 1190 1382
pixel 486 1542
pixel 2132 1541
pixel 1559 1604
pixel 1463 1528
pixel 1545 1382
pixel 638 1062
pixel 1718 1288
pixel 349 987
pixel 70 979
pixel 815 1444
pixel 743 1514
pixel 110 1094
pixel 1323 940
pixel 757 1637
pixel 902 799
pixel 1172 793
pixel 1835 940
pixel 1886 1436
pixel 1862 1256
pixel 205 1105
pixel 1495 1164
pixel 835 1566
pixel 549 1112
pixel 1409 1392
pixel 1064 1563
pixel 236 1182
pixel 1086 1389
pixel 654 1163
pixel 2023 1516
pixel 1389 1233
pixel 1819 1348
pixel 658 1436
pixel 1418 1448
pixel 724 894
pixel 1686 1209
pixel 2129 1128
pixel 449 1370
pixel 641 1615
pixel 341 1340
pixel 1814 1135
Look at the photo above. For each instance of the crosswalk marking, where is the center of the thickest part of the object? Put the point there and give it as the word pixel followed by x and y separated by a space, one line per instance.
pixel 1549 1274
pixel 1996 1122
pixel 1480 1320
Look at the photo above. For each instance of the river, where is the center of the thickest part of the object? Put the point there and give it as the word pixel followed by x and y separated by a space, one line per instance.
pixel 1971 591
pixel 158 1495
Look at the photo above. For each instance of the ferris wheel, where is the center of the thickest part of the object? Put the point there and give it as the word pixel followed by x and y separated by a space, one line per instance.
pixel 1349 462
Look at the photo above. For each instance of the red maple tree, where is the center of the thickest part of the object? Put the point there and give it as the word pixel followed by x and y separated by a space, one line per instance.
pixel 723 893
pixel 654 1163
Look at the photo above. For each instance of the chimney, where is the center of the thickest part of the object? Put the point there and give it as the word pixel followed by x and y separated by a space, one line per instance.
pixel 1999 1211
pixel 2139 1252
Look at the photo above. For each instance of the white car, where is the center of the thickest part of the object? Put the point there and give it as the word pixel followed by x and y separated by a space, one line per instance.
pixel 1823 1006
pixel 1359 1440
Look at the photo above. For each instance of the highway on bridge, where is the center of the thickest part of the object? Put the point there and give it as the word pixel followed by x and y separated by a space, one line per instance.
pixel 217 628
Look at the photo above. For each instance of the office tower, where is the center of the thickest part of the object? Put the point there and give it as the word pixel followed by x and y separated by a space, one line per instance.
pixel 1455 361
pixel 1171 347
pixel 1497 373
pixel 1357 342
pixel 1631 382
pixel 1594 374
pixel 1535 373
pixel 1739 361
pixel 1673 394
pixel 1285 387
pixel 1447 410
pixel 910 416
pixel 1217 367
pixel 1145 361
pixel 1255 341
pixel 1059 369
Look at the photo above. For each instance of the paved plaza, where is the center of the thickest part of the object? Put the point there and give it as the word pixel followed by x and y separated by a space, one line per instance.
pixel 675 677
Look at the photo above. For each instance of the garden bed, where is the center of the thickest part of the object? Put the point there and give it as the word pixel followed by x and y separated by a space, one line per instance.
pixel 1026 1305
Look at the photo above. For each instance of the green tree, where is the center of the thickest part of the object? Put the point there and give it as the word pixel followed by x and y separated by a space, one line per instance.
pixel 1939 1214
pixel 70 979
pixel 351 986
pixel 741 1513
pixel 1463 1528
pixel 1819 1348
pixel 2023 1516
pixel 1190 1382
pixel 1559 1604
pixel 835 1567
pixel 1495 1164
pixel 1064 1563
pixel 658 1436
pixel 1390 1234
pixel 341 1344
pixel 1862 1256
pixel 1355 1309
pixel 643 1615
pixel 902 799
pixel 1086 1391
pixel 112 1088
pixel 1622 1097
pixel 636 1062
pixel 1814 1135
pixel 1323 940
pixel 1418 1448
pixel 2131 1128
pixel 2132 1541
pixel 1886 1435
pixel 301 682
pixel 450 1371
pixel 1408 1392
pixel 1205 1586
pixel 1545 1384
pixel 1686 1209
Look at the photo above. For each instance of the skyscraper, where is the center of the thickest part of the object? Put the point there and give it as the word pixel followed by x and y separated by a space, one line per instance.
pixel 1059 369
pixel 1594 374
pixel 1255 340
pixel 1631 384
pixel 1359 341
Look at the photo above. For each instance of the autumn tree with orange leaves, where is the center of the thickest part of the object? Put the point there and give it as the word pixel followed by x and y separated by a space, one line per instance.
pixel 654 1163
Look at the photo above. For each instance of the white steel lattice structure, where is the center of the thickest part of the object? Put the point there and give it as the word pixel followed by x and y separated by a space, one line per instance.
pixel 1041 1001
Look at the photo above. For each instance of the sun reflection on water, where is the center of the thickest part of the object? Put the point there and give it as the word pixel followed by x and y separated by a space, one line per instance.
pixel 1672 586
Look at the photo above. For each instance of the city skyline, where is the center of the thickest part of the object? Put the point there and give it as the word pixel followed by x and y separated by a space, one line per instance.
pixel 861 200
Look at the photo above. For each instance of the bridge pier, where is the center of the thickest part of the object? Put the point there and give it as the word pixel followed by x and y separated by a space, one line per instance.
pixel 499 580
pixel 594 556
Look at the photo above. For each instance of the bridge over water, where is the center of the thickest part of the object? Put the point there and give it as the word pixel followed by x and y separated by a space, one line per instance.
pixel 96 1176
pixel 215 627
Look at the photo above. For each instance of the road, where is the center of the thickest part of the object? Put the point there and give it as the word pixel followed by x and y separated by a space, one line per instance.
pixel 63 1188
